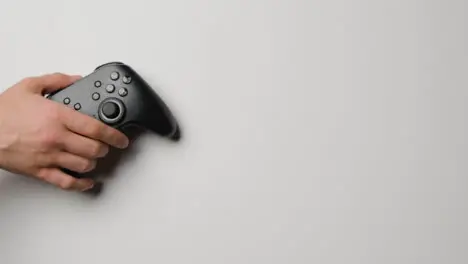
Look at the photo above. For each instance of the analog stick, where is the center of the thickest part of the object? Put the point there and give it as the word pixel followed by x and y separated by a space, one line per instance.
pixel 111 110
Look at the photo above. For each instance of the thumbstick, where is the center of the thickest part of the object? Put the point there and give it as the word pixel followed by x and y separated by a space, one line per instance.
pixel 111 110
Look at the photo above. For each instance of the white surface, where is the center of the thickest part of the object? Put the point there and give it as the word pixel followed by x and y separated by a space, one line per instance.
pixel 315 132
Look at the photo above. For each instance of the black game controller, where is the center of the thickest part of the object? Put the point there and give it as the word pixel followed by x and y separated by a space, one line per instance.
pixel 118 96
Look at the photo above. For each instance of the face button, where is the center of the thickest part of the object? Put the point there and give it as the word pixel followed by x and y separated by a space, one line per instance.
pixel 97 84
pixel 127 79
pixel 123 92
pixel 114 76
pixel 66 100
pixel 77 106
pixel 96 96
pixel 110 88
pixel 111 110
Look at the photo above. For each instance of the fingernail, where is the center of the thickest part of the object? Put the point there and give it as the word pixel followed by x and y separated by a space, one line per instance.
pixel 87 186
pixel 125 143
pixel 103 152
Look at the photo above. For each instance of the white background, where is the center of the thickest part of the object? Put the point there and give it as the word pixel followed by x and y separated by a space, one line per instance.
pixel 314 132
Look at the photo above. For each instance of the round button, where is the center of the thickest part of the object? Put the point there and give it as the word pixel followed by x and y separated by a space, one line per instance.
pixel 66 100
pixel 111 110
pixel 110 88
pixel 97 83
pixel 127 79
pixel 77 106
pixel 96 96
pixel 123 92
pixel 114 76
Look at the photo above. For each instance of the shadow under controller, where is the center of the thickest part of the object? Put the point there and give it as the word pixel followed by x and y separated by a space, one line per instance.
pixel 117 95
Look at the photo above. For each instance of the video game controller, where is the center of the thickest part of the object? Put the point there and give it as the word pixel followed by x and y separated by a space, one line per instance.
pixel 118 96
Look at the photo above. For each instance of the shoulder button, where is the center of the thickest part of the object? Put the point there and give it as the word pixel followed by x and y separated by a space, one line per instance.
pixel 109 64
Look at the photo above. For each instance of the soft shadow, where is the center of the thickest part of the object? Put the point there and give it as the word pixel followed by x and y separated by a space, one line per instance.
pixel 106 167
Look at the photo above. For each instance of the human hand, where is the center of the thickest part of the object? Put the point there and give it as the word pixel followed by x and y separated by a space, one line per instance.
pixel 39 136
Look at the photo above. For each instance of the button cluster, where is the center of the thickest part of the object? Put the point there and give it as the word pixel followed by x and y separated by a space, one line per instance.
pixel 67 101
pixel 112 110
pixel 127 79
pixel 110 88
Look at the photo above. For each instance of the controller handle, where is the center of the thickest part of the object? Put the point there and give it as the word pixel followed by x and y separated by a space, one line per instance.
pixel 152 113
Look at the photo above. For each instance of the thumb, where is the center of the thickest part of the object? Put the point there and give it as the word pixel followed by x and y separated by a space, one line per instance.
pixel 50 82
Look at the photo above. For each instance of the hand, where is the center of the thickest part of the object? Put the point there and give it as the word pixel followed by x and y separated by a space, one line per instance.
pixel 39 136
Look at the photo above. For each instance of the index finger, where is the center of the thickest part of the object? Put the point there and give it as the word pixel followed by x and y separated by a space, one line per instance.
pixel 92 128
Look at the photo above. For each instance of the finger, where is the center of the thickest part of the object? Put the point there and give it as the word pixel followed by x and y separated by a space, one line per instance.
pixel 93 128
pixel 73 162
pixel 50 82
pixel 83 146
pixel 64 181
